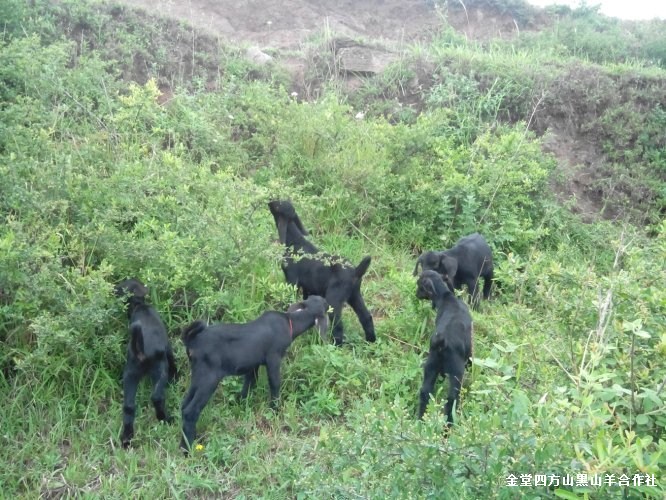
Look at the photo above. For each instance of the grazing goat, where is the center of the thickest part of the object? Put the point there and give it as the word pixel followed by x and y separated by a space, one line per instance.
pixel 321 274
pixel 220 350
pixel 450 345
pixel 148 353
pixel 469 260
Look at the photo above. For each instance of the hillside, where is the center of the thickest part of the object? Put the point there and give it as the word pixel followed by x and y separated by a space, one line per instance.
pixel 289 24
pixel 141 145
pixel 390 71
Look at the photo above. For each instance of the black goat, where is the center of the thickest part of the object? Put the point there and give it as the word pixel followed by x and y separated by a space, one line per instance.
pixel 148 353
pixel 220 350
pixel 321 274
pixel 469 260
pixel 450 345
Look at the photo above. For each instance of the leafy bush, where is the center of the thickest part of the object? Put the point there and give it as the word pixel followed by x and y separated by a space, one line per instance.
pixel 586 34
pixel 475 189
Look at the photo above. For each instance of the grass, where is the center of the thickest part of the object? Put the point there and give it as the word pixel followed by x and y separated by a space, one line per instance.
pixel 65 442
pixel 61 438
pixel 104 182
pixel 64 435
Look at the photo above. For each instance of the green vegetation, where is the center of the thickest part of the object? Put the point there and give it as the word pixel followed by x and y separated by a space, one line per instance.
pixel 102 180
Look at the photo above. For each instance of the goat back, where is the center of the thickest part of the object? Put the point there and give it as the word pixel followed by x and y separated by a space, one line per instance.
pixel 136 341
pixel 148 341
pixel 473 253
pixel 454 333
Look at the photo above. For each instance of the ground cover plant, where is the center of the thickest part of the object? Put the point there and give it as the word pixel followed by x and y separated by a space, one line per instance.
pixel 106 176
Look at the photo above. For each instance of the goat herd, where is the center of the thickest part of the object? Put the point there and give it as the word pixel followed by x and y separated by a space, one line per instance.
pixel 327 283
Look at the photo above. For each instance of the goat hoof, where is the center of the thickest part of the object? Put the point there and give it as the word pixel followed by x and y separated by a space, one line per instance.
pixel 371 338
pixel 126 443
pixel 184 448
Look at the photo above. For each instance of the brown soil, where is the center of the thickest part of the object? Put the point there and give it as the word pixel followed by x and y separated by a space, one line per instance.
pixel 289 23
pixel 578 162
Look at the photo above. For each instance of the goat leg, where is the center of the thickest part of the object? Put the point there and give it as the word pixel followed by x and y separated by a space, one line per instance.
pixel 335 319
pixel 455 383
pixel 474 292
pixel 487 284
pixel 160 378
pixel 365 318
pixel 200 393
pixel 430 372
pixel 131 379
pixel 273 370
pixel 250 383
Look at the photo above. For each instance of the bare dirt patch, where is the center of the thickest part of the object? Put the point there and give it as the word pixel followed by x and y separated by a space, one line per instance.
pixel 289 23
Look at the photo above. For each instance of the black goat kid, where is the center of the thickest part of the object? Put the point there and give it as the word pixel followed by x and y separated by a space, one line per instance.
pixel 450 345
pixel 148 353
pixel 469 260
pixel 220 350
pixel 321 274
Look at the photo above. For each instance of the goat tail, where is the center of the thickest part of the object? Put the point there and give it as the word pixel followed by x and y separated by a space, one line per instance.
pixel 171 362
pixel 192 331
pixel 136 341
pixel 362 268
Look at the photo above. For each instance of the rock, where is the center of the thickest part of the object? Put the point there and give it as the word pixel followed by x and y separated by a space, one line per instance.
pixel 363 60
pixel 255 55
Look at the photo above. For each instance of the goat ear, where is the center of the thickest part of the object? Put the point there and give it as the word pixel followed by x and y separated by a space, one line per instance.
pixel 450 264
pixel 299 225
pixel 140 290
pixel 282 230
pixel 416 268
pixel 322 323
pixel 298 306
pixel 429 287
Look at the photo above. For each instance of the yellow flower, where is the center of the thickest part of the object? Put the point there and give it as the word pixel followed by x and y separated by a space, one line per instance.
pixel 199 447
